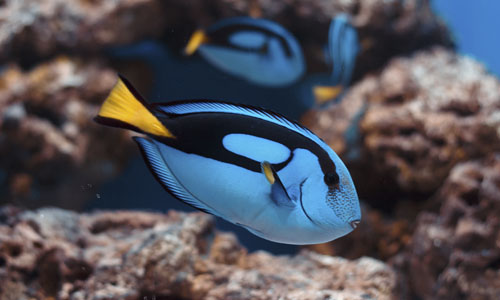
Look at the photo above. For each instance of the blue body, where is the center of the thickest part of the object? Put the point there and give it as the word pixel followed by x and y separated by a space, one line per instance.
pixel 304 210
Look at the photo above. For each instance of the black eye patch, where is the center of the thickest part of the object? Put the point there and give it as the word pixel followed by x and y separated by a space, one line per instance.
pixel 331 179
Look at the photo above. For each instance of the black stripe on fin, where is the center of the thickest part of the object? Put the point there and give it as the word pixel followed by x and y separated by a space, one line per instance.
pixel 133 90
pixel 115 123
pixel 164 176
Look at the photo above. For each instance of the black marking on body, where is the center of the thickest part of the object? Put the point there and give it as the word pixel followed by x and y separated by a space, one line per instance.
pixel 302 204
pixel 220 36
pixel 116 123
pixel 201 133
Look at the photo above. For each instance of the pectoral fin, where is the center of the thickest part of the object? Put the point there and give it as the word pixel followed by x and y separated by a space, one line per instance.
pixel 279 195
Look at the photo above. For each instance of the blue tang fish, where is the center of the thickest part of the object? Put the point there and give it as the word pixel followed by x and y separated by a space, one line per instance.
pixel 260 51
pixel 247 165
pixel 343 48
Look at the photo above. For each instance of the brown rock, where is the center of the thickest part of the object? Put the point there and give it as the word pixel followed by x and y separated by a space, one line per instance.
pixel 415 121
pixel 135 255
pixel 377 236
pixel 41 28
pixel 47 132
pixel 455 254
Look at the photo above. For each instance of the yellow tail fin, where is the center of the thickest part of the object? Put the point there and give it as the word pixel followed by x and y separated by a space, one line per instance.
pixel 197 39
pixel 323 94
pixel 125 108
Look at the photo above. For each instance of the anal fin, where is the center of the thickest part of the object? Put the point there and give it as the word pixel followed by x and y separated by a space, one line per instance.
pixel 163 174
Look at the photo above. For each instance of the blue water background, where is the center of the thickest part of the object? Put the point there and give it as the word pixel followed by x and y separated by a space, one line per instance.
pixel 476 28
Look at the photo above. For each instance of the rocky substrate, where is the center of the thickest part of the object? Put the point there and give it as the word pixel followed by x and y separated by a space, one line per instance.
pixel 455 252
pixel 57 254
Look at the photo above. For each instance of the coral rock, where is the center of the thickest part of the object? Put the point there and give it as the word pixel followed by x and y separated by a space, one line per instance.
pixel 376 236
pixel 455 254
pixel 41 28
pixel 47 133
pixel 137 255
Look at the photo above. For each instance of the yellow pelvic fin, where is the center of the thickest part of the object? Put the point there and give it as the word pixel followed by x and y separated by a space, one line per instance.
pixel 197 39
pixel 122 105
pixel 268 172
pixel 323 94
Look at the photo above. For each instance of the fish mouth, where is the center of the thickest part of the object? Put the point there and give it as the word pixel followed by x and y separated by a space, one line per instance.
pixel 302 204
pixel 354 223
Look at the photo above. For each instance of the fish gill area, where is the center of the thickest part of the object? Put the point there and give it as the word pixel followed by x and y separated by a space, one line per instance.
pixel 419 130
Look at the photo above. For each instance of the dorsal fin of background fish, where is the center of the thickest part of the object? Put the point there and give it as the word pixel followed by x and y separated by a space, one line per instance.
pixel 341 53
pixel 258 50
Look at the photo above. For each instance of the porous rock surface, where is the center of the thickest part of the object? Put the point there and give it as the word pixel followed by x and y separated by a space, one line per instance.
pixel 31 29
pixel 137 255
pixel 455 252
pixel 378 236
pixel 49 146
pixel 412 123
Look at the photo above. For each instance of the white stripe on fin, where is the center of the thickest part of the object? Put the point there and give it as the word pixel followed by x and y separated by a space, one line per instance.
pixel 189 107
pixel 161 171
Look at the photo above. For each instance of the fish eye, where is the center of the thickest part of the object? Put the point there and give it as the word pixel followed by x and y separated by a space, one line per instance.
pixel 332 179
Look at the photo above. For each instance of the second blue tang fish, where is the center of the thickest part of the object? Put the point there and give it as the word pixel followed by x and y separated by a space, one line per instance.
pixel 343 48
pixel 260 51
pixel 250 166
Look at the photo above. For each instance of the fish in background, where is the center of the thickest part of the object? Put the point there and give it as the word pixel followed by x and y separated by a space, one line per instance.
pixel 343 48
pixel 258 50
pixel 249 166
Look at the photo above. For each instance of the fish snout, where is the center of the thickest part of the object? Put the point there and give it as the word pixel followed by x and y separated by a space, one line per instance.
pixel 354 223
